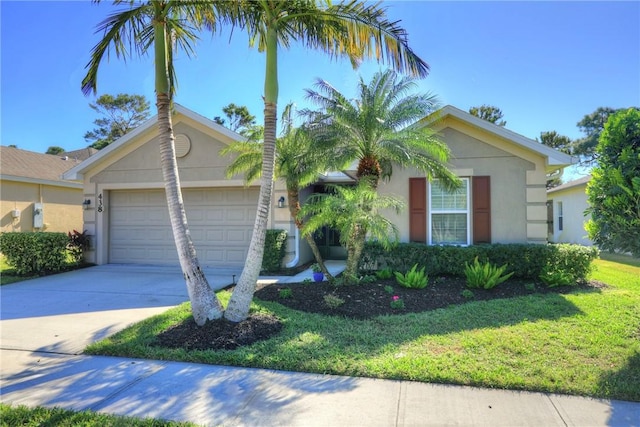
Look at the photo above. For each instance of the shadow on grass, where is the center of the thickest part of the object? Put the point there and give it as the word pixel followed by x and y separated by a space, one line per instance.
pixel 624 383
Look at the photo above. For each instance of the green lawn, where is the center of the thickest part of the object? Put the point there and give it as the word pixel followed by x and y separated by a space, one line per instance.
pixel 582 343
pixel 7 274
pixel 23 416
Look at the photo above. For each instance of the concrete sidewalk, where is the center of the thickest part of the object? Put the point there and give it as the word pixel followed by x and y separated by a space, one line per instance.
pixel 229 396
pixel 46 322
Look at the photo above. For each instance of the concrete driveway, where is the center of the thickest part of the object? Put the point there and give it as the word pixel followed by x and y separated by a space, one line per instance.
pixel 64 313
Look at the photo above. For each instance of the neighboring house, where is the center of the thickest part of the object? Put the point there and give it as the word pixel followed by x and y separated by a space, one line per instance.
pixel 33 195
pixel 567 204
pixel 79 155
pixel 503 198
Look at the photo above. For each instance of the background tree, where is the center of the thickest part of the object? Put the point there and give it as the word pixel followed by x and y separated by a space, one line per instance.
pixel 561 143
pixel 614 189
pixel 119 115
pixel 354 29
pixel 164 26
pixel 489 113
pixel 592 126
pixel 239 119
pixel 54 149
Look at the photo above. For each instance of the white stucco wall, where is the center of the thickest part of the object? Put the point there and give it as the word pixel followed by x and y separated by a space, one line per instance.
pixel 574 203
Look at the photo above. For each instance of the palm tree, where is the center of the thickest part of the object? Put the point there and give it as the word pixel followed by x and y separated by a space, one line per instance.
pixel 377 128
pixel 353 211
pixel 353 29
pixel 166 26
pixel 298 160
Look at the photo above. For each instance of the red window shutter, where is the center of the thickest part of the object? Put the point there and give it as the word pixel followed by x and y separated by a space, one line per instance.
pixel 418 210
pixel 481 187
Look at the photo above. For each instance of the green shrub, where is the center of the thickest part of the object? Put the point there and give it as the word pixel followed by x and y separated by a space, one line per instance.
pixel 553 278
pixel 526 261
pixel 78 243
pixel 414 278
pixel 388 289
pixel 467 294
pixel 275 245
pixel 35 253
pixel 385 273
pixel 484 275
pixel 285 293
pixel 333 301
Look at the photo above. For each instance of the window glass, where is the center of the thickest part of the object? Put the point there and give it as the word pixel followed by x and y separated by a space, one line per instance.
pixel 449 214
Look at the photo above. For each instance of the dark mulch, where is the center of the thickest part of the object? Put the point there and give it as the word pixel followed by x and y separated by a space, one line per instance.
pixel 360 302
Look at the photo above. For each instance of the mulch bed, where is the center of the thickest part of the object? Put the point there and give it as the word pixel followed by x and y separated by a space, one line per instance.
pixel 360 302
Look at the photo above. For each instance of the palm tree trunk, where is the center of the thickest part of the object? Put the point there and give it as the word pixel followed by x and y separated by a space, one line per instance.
pixel 354 252
pixel 240 302
pixel 204 302
pixel 294 210
pixel 238 308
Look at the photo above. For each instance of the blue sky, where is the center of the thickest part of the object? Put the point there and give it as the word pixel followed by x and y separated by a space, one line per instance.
pixel 545 64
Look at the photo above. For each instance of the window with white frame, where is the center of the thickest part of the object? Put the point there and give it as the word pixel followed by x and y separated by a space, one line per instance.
pixel 449 214
pixel 560 217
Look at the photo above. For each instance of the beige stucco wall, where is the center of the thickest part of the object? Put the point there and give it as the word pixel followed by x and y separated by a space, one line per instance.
pixel 138 166
pixel 574 204
pixel 518 195
pixel 62 206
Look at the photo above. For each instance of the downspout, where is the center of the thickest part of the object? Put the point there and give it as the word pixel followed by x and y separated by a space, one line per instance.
pixel 296 258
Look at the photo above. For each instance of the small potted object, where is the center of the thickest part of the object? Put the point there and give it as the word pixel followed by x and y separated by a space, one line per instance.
pixel 317 273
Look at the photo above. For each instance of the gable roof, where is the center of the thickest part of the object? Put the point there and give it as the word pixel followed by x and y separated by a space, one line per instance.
pixel 29 166
pixel 554 157
pixel 575 183
pixel 77 171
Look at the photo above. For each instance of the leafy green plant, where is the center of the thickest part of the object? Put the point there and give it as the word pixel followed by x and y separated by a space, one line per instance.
pixel 467 294
pixel 367 278
pixel 525 260
pixel 316 268
pixel 385 273
pixel 35 253
pixel 388 289
pixel 285 293
pixel 333 301
pixel 396 303
pixel 553 277
pixel 275 243
pixel 414 278
pixel 307 281
pixel 78 243
pixel 530 286
pixel 485 275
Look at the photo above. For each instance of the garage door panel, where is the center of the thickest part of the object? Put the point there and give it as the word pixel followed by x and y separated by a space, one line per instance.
pixel 220 221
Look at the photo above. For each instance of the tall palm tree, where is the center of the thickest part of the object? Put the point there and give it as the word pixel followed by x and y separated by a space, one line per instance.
pixel 353 211
pixel 354 29
pixel 298 161
pixel 376 128
pixel 166 26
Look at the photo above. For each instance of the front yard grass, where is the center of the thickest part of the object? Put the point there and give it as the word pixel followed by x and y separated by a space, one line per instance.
pixel 7 274
pixel 24 416
pixel 581 343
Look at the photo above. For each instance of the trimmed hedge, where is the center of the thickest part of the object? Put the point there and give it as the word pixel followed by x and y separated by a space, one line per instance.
pixel 35 253
pixel 275 244
pixel 527 261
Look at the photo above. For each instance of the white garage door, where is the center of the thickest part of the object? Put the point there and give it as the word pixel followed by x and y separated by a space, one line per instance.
pixel 220 221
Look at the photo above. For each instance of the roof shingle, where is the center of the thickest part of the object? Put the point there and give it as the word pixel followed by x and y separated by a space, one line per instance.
pixel 29 164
